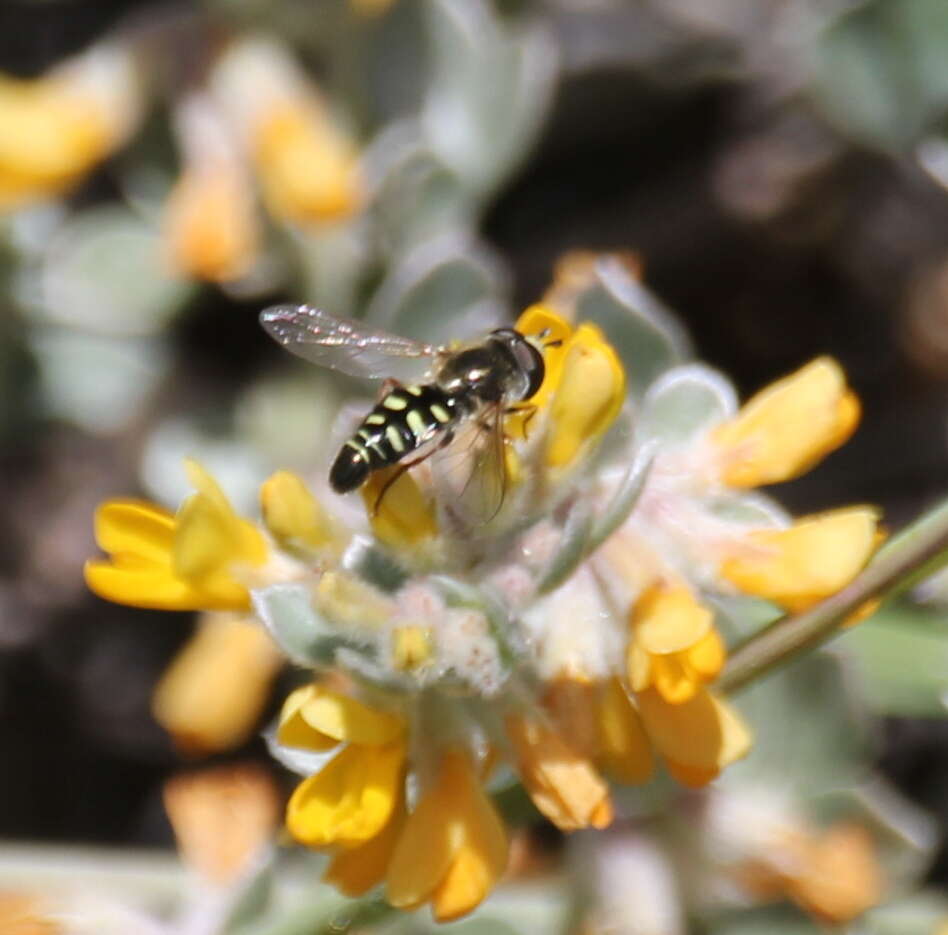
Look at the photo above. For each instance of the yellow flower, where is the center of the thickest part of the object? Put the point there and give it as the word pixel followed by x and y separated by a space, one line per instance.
pixel 809 561
pixel 316 717
pixel 624 749
pixel 350 799
pixel 564 786
pixel 411 647
pixel 788 427
pixel 540 320
pixel 697 737
pixel 674 646
pixel 294 516
pixel 453 848
pixel 210 225
pixel 356 870
pixel 212 695
pixel 57 127
pixel 308 170
pixel 23 913
pixel 588 396
pixel 834 875
pixel 222 818
pixel 404 516
pixel 189 561
pixel 353 797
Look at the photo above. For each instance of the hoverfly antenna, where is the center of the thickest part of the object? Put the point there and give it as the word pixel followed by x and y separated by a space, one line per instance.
pixel 557 343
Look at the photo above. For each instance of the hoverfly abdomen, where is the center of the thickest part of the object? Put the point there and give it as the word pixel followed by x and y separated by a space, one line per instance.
pixel 404 420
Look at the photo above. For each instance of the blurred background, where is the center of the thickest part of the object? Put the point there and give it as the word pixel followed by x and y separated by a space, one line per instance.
pixel 777 169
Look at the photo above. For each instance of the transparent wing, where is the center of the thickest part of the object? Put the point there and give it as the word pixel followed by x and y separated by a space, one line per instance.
pixel 471 472
pixel 344 344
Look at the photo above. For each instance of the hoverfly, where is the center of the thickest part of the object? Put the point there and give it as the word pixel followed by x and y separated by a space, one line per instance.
pixel 472 388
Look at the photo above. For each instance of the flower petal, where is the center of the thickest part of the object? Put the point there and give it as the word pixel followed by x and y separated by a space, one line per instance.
pixel 841 877
pixel 209 225
pixel 135 527
pixel 223 818
pixel 57 127
pixel 405 516
pixel 314 714
pixel 210 539
pixel 706 658
pixel 624 748
pixel 786 428
pixel 589 396
pixel 673 679
pixel 454 820
pixel 308 171
pixel 811 560
pixel 703 735
pixel 667 619
pixel 564 786
pixel 350 799
pixel 294 731
pixel 138 584
pixel 292 514
pixel 214 692
pixel 356 870
pixel 537 320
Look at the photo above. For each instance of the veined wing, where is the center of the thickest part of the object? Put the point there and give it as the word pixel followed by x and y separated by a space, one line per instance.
pixel 344 344
pixel 471 472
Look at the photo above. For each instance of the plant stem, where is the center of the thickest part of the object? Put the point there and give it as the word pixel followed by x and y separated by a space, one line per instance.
pixel 914 553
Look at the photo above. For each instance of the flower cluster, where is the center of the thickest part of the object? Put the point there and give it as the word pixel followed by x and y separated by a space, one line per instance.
pixel 569 642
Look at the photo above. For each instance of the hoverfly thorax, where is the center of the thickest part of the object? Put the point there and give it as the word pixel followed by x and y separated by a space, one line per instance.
pixel 506 366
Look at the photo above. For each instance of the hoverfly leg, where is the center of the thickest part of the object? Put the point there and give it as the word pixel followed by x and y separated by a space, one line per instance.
pixel 529 412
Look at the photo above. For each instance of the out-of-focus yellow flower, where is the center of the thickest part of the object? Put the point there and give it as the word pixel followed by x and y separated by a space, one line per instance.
pixel 306 166
pixel 57 127
pixel 564 786
pixel 212 695
pixel 453 848
pixel 294 516
pixel 697 737
pixel 353 797
pixel 404 516
pixel 308 170
pixel 834 875
pixel 195 560
pixel 210 226
pixel 222 818
pixel 571 701
pixel 807 562
pixel 788 427
pixel 22 913
pixel 673 644
pixel 588 396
